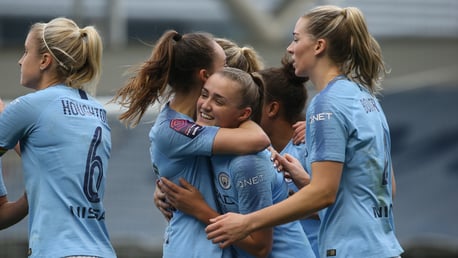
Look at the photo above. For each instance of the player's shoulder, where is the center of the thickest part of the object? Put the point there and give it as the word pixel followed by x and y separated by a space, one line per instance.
pixel 185 127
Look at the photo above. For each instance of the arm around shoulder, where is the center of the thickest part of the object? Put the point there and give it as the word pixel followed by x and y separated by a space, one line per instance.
pixel 248 138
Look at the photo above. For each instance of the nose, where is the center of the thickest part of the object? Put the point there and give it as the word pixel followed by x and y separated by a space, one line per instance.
pixel 20 60
pixel 205 104
pixel 289 49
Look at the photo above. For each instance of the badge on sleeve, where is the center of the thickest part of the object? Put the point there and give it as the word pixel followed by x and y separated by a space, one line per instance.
pixel 186 127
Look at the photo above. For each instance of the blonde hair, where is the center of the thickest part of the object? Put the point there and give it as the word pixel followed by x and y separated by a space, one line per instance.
pixel 244 58
pixel 77 51
pixel 349 43
pixel 251 88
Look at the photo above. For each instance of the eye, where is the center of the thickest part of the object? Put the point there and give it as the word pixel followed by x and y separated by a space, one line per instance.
pixel 220 102
pixel 203 93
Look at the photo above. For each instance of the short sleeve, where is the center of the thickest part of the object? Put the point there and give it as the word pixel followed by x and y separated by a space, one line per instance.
pixel 17 120
pixel 326 130
pixel 252 178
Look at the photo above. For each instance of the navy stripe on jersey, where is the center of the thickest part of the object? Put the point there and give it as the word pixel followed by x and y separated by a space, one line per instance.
pixel 83 94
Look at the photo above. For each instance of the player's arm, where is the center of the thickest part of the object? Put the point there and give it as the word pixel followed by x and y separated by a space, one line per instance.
pixel 258 243
pixel 297 173
pixel 320 193
pixel 161 203
pixel 189 200
pixel 295 170
pixel 12 212
pixel 247 138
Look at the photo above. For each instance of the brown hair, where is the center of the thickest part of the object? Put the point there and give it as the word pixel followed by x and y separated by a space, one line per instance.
pixel 281 84
pixel 174 61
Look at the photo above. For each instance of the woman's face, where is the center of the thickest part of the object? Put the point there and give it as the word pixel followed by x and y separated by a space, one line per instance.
pixel 30 62
pixel 218 104
pixel 302 49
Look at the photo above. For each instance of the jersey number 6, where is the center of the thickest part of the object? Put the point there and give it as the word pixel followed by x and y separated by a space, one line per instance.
pixel 94 169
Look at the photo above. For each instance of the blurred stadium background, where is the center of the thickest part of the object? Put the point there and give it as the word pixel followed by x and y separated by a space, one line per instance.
pixel 419 39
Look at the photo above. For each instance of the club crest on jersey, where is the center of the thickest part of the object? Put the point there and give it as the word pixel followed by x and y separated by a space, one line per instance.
pixel 224 180
pixel 185 127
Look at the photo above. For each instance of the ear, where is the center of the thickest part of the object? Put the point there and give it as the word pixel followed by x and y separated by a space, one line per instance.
pixel 203 75
pixel 272 109
pixel 46 61
pixel 320 46
pixel 245 114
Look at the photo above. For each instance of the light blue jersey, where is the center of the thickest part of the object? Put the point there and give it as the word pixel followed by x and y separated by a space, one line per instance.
pixel 346 124
pixel 246 183
pixel 3 191
pixel 311 226
pixel 181 148
pixel 65 147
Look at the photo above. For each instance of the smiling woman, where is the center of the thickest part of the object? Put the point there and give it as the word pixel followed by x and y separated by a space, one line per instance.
pixel 244 183
pixel 221 94
pixel 348 149
pixel 180 148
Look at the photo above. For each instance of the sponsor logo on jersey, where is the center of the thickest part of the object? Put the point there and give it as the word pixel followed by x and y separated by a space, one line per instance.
pixel 320 117
pixel 87 213
pixel 247 182
pixel 383 211
pixel 186 127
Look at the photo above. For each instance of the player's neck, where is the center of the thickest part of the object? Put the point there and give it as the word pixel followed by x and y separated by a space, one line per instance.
pixel 185 104
pixel 281 135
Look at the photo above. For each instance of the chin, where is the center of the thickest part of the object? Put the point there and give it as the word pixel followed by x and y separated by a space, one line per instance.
pixel 300 73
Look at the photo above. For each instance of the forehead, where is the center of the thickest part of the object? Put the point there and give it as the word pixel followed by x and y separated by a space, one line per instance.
pixel 301 26
pixel 222 86
pixel 31 39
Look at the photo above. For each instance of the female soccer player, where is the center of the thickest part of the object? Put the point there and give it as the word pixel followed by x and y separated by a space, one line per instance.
pixel 347 139
pixel 175 73
pixel 244 183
